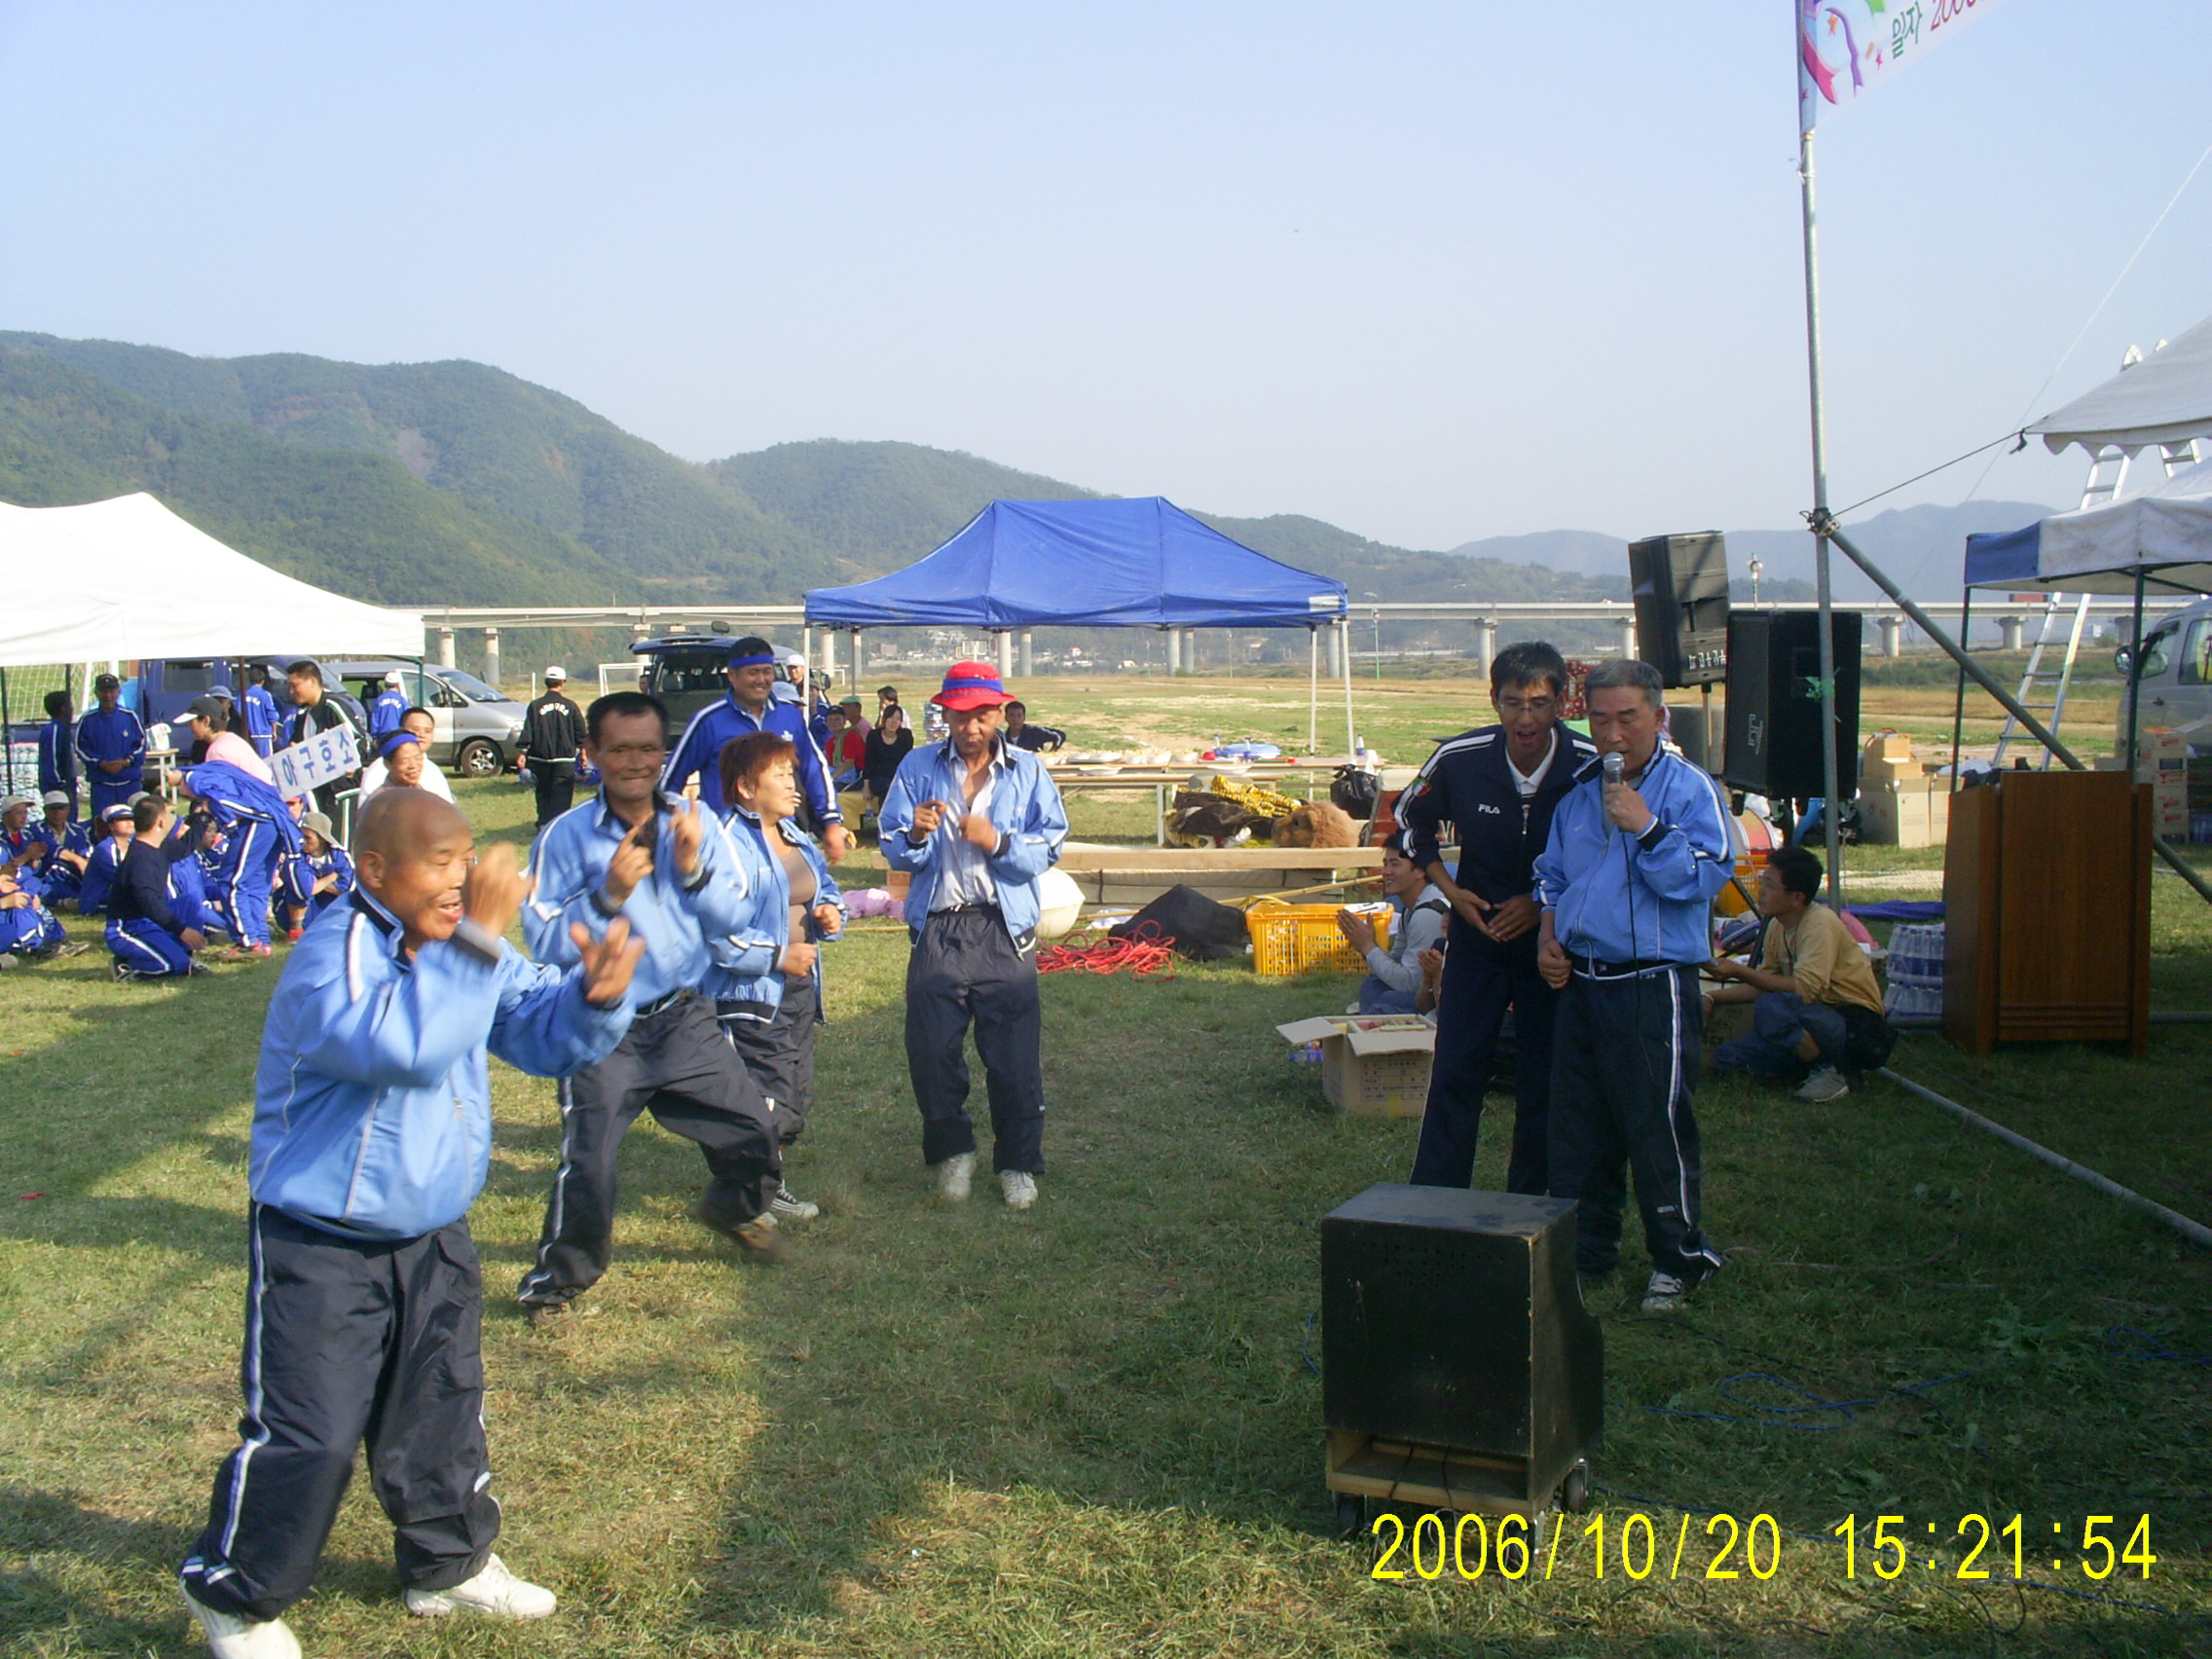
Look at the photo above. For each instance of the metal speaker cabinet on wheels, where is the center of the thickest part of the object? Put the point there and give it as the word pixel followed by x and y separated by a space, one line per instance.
pixel 1459 1369
pixel 1681 587
pixel 1773 745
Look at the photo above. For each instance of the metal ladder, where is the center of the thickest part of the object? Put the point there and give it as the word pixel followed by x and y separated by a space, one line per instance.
pixel 2042 692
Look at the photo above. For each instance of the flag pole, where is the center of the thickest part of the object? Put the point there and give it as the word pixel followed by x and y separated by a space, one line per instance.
pixel 1833 809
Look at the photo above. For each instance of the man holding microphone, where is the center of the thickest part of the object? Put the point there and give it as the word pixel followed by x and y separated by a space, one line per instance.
pixel 1638 850
pixel 976 821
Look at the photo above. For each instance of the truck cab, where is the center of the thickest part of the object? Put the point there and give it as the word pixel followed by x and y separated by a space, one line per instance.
pixel 686 671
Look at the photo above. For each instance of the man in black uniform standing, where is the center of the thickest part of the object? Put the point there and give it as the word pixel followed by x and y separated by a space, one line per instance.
pixel 1496 785
pixel 552 733
pixel 315 711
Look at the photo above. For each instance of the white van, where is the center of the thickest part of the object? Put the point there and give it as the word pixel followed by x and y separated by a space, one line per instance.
pixel 2177 675
pixel 477 730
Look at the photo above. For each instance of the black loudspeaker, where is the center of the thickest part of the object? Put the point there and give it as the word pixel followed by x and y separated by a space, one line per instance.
pixel 1698 738
pixel 1773 704
pixel 1459 1369
pixel 1681 587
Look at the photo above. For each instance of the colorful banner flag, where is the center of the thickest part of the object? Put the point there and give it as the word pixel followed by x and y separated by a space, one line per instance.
pixel 1846 48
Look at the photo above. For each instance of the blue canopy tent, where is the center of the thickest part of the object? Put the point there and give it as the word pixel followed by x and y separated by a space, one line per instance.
pixel 2160 539
pixel 1141 563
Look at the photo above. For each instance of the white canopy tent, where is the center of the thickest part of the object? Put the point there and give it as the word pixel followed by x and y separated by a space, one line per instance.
pixel 2164 399
pixel 126 579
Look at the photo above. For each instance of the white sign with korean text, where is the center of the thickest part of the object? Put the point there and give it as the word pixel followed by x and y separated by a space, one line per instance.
pixel 322 758
pixel 1846 48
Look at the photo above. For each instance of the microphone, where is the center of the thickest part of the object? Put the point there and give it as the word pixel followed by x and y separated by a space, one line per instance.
pixel 1615 767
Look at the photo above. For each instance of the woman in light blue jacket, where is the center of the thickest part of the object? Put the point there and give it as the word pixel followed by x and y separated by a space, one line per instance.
pixel 766 977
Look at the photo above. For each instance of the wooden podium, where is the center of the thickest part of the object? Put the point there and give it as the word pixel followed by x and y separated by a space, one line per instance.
pixel 2047 911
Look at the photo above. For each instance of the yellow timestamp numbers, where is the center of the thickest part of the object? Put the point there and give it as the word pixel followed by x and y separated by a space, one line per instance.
pixel 1472 1546
pixel 1992 1549
pixel 1476 1545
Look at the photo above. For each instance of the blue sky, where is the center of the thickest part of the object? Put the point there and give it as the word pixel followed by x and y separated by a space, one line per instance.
pixel 1428 271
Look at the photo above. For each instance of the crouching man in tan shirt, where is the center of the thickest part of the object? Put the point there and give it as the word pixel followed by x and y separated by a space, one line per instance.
pixel 1812 992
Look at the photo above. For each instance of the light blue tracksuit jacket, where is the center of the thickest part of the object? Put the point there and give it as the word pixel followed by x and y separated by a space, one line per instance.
pixel 372 1112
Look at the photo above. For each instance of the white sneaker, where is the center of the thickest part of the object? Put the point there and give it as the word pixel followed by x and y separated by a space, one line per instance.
pixel 953 1176
pixel 1824 1084
pixel 1019 1187
pixel 789 1204
pixel 494 1591
pixel 1665 1293
pixel 230 1636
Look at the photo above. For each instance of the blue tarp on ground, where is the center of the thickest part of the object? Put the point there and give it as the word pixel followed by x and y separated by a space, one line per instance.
pixel 1123 564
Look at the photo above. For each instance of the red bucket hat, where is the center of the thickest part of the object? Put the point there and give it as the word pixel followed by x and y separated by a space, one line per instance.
pixel 971 686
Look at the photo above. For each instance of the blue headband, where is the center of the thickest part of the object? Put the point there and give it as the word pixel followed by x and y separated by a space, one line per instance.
pixel 759 659
pixel 385 748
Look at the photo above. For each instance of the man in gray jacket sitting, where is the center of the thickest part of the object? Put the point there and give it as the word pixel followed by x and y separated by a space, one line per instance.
pixel 1418 914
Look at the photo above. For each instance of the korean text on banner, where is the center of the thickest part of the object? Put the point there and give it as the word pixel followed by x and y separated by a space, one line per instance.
pixel 1846 48
pixel 322 758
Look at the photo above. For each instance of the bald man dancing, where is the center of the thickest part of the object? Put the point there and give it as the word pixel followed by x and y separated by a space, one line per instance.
pixel 372 1136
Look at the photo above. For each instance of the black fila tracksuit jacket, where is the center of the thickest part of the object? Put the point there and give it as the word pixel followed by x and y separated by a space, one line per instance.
pixel 1469 784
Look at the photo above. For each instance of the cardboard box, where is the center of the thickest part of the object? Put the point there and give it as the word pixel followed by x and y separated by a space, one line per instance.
pixel 1905 812
pixel 1888 756
pixel 2161 760
pixel 1371 1065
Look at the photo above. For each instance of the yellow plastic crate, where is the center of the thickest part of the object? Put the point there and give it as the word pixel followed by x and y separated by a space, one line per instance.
pixel 1303 939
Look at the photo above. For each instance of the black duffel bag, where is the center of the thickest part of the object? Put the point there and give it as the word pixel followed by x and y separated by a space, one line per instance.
pixel 1198 927
pixel 1358 792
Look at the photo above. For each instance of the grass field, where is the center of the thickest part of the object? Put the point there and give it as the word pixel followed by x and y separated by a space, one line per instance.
pixel 1093 1429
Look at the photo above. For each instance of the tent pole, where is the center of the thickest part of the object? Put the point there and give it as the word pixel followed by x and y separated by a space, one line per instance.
pixel 1829 530
pixel 1832 810
pixel 7 722
pixel 1312 689
pixel 2135 679
pixel 1959 708
pixel 1344 655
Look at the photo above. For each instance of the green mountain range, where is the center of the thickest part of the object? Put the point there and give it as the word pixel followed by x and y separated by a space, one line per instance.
pixel 457 483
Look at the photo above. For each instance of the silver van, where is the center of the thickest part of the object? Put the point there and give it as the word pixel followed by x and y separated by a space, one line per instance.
pixel 2177 675
pixel 478 727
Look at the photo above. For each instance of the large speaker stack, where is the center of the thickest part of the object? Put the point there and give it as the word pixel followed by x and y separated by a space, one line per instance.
pixel 1774 703
pixel 1681 587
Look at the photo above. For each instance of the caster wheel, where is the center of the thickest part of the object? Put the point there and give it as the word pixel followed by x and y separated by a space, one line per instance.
pixel 1351 1514
pixel 1574 1490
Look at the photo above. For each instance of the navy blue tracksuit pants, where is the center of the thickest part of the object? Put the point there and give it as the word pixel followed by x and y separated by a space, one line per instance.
pixel 350 1340
pixel 777 1046
pixel 1470 1009
pixel 1624 1064
pixel 677 1064
pixel 966 969
pixel 148 949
